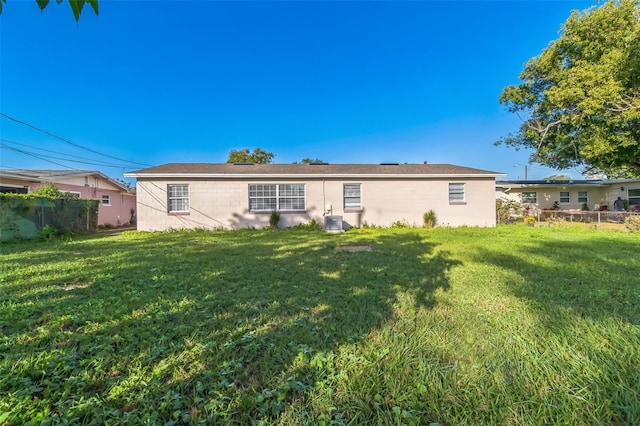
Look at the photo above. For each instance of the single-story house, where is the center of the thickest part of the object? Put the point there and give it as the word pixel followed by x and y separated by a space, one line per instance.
pixel 597 194
pixel 117 201
pixel 232 196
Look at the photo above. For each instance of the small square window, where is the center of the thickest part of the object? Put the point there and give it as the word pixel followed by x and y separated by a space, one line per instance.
pixel 178 198
pixel 352 196
pixel 530 197
pixel 456 192
pixel 565 197
pixel 583 197
pixel 106 200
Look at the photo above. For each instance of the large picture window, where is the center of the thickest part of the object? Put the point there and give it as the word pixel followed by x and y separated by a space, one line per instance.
pixel 530 197
pixel 277 197
pixel 456 192
pixel 352 196
pixel 178 198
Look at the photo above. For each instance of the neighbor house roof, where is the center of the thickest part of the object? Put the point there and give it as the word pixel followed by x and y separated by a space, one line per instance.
pixel 55 175
pixel 548 183
pixel 246 170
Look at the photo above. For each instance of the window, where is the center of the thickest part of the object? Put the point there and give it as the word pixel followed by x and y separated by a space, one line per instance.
pixel 530 197
pixel 564 197
pixel 352 197
pixel 106 200
pixel 272 197
pixel 582 197
pixel 178 198
pixel 456 192
pixel 70 194
pixel 634 197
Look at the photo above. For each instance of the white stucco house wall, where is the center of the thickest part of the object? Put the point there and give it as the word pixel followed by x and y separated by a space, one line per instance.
pixel 233 196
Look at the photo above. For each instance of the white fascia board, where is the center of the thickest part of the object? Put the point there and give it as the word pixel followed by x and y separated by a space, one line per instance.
pixel 304 176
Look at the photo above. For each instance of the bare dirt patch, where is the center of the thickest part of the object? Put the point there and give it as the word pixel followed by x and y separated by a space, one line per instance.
pixel 351 249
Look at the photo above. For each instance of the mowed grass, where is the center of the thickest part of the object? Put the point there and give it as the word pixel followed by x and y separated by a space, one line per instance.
pixel 512 325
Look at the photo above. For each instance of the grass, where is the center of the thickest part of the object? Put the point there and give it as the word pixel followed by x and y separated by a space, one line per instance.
pixel 512 325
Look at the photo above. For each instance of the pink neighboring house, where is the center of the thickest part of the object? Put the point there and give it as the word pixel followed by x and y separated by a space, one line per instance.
pixel 116 200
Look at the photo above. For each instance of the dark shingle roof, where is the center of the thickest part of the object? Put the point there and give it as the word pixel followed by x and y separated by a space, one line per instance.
pixel 221 170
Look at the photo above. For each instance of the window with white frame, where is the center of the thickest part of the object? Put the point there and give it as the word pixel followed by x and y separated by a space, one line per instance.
pixel 70 194
pixel 178 198
pixel 530 197
pixel 634 197
pixel 583 197
pixel 276 197
pixel 106 200
pixel 352 196
pixel 456 192
pixel 565 198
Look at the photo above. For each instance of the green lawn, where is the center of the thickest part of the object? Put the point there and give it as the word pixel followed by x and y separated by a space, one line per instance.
pixel 512 325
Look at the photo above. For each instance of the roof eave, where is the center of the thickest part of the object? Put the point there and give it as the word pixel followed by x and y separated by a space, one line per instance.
pixel 309 176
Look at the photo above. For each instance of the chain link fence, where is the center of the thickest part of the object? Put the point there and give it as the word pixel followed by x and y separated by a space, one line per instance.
pixel 24 217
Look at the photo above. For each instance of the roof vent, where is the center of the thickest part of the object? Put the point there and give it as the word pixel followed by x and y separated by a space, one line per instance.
pixel 243 164
pixel 389 164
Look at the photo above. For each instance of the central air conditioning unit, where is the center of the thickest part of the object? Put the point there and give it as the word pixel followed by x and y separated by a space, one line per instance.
pixel 333 223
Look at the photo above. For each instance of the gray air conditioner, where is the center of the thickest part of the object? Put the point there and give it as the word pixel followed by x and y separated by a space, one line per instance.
pixel 333 223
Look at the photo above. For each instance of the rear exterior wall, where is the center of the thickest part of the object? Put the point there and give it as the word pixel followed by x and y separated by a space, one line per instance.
pixel 224 204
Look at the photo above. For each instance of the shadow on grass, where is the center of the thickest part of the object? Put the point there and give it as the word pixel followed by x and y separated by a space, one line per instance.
pixel 585 295
pixel 230 327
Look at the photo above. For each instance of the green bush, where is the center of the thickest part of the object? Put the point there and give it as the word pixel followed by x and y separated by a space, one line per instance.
pixel 274 219
pixel 429 219
pixel 309 226
pixel 585 207
pixel 632 223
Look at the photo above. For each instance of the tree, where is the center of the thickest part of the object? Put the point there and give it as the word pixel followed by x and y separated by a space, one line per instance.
pixel 258 156
pixel 310 161
pixel 558 177
pixel 76 6
pixel 47 190
pixel 580 98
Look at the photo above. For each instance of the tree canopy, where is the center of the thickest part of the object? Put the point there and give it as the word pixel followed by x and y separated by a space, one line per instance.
pixel 311 161
pixel 76 6
pixel 580 98
pixel 258 156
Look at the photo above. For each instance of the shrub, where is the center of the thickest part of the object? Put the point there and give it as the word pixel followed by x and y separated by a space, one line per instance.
pixel 309 226
pixel 399 224
pixel 585 207
pixel 48 190
pixel 632 223
pixel 429 219
pixel 529 220
pixel 274 219
pixel 48 232
pixel 508 210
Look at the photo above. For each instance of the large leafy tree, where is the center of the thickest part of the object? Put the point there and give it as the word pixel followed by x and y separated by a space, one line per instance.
pixel 258 155
pixel 76 6
pixel 580 98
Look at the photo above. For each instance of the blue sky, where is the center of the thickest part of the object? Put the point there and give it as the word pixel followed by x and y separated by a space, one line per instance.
pixel 347 82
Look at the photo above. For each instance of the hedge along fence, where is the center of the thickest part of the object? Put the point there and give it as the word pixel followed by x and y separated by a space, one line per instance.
pixel 23 216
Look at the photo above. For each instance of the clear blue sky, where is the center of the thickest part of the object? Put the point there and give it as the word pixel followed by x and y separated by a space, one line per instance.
pixel 346 82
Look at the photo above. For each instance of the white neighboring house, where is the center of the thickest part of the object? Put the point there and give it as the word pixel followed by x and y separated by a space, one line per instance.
pixel 232 196
pixel 597 194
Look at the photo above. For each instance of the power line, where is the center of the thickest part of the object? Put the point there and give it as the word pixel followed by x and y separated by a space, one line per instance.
pixel 87 160
pixel 40 158
pixel 51 156
pixel 68 141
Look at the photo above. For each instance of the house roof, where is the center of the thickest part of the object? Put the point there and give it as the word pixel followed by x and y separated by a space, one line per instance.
pixel 54 175
pixel 245 170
